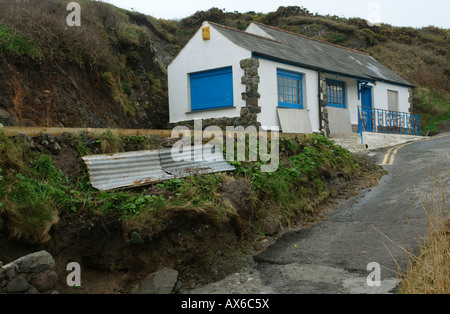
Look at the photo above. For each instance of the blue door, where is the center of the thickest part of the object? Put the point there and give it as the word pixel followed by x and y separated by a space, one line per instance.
pixel 367 112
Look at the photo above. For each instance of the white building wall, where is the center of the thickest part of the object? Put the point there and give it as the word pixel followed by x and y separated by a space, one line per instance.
pixel 201 55
pixel 381 96
pixel 268 89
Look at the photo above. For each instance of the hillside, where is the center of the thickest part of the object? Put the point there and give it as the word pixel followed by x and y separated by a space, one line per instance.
pixel 111 71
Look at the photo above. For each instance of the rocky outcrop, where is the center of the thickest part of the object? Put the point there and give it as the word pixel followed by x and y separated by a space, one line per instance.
pixel 31 274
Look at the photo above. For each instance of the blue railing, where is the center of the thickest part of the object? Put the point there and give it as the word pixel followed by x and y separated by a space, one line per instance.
pixel 391 122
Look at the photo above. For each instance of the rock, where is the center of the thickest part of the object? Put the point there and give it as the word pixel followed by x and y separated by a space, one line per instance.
pixel 18 285
pixel 35 263
pixel 33 290
pixel 161 282
pixel 269 226
pixel 10 272
pixel 45 281
pixel 177 287
pixel 55 148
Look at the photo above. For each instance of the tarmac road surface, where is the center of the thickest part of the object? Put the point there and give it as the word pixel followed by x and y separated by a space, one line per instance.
pixel 363 242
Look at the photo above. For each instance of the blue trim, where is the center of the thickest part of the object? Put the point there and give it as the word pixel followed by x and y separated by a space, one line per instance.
pixel 290 88
pixel 212 89
pixel 362 84
pixel 391 122
pixel 336 95
pixel 213 72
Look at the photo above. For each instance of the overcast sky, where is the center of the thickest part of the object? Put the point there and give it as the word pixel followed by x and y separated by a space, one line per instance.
pixel 415 13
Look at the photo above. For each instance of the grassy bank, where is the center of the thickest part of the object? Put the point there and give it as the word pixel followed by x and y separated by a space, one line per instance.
pixel 35 193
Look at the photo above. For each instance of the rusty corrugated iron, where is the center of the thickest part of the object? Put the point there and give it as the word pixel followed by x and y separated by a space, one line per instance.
pixel 200 160
pixel 114 171
pixel 123 170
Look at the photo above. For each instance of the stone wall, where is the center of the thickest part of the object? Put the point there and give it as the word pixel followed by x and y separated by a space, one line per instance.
pixel 31 274
pixel 251 96
pixel 323 106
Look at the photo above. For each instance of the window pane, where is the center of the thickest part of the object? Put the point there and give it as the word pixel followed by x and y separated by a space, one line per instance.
pixel 289 89
pixel 336 93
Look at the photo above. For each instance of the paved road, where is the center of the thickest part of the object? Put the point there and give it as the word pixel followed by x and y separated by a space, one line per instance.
pixel 376 226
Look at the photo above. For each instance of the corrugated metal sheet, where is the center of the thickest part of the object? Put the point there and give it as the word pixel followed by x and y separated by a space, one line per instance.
pixel 108 172
pixel 188 166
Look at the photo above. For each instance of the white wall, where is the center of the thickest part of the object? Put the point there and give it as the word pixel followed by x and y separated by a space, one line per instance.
pixel 199 55
pixel 381 96
pixel 268 88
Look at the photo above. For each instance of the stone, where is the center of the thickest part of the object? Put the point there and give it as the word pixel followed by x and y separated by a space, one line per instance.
pixel 45 281
pixel 161 282
pixel 33 290
pixel 252 102
pixel 18 285
pixel 35 263
pixel 10 272
pixel 254 109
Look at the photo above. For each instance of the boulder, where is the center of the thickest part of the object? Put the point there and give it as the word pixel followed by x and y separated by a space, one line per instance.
pixel 161 282
pixel 35 263
pixel 18 285
pixel 45 281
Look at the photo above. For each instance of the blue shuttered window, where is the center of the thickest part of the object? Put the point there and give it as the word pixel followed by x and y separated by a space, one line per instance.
pixel 212 89
pixel 336 94
pixel 290 89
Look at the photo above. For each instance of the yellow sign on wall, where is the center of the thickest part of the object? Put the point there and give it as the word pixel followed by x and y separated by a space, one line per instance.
pixel 206 32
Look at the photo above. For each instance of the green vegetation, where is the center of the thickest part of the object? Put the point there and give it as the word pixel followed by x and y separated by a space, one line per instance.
pixel 111 43
pixel 299 185
pixel 17 44
pixel 434 108
pixel 35 193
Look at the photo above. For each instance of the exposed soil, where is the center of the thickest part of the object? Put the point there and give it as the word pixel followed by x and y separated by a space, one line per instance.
pixel 67 161
pixel 201 251
pixel 444 127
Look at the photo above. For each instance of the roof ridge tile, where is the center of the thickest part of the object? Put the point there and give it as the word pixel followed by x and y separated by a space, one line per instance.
pixel 243 32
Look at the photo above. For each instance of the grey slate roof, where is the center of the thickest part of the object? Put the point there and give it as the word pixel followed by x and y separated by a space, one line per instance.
pixel 310 53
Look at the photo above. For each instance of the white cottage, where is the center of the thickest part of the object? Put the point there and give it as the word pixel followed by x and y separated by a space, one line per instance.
pixel 281 80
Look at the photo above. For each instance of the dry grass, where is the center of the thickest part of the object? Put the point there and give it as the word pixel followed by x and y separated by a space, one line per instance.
pixel 429 272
